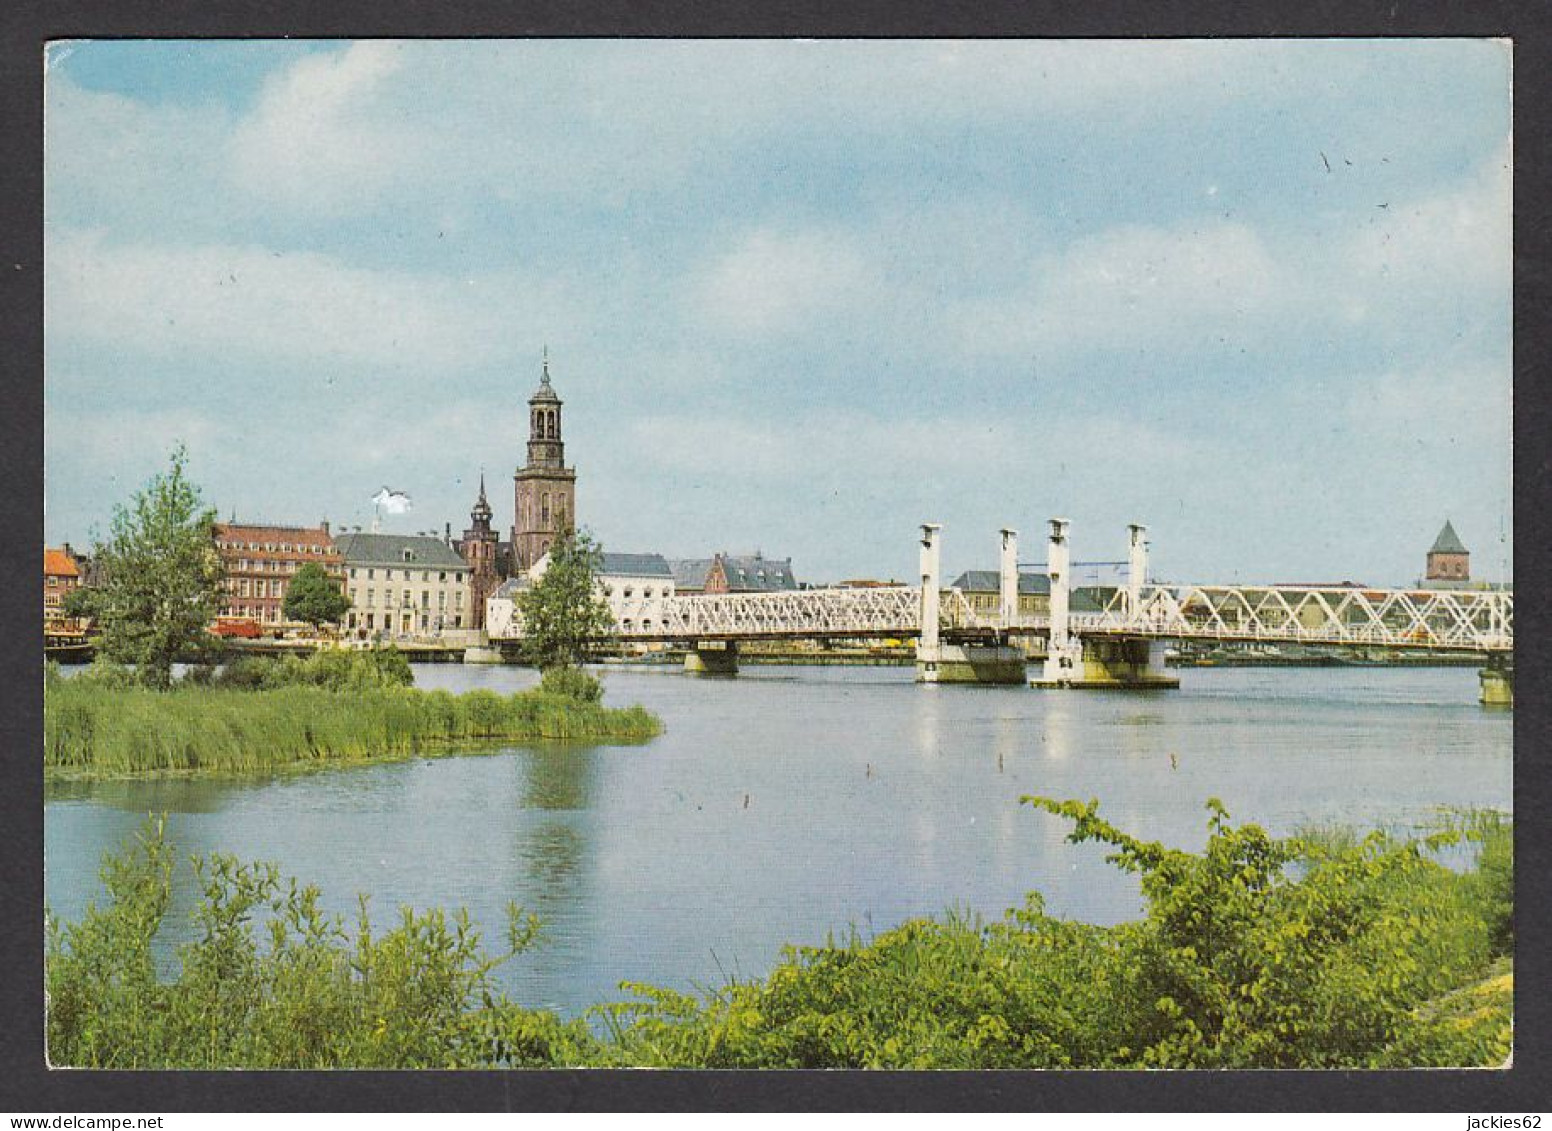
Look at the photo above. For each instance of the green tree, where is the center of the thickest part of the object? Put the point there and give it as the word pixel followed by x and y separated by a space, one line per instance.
pixel 80 602
pixel 563 616
pixel 313 596
pixel 160 577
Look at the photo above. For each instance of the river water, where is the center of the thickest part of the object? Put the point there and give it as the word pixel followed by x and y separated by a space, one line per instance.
pixel 790 803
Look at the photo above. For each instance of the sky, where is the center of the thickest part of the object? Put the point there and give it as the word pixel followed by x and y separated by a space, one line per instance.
pixel 799 297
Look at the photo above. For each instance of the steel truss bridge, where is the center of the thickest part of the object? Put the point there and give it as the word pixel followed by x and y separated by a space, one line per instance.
pixel 1439 620
pixel 1442 620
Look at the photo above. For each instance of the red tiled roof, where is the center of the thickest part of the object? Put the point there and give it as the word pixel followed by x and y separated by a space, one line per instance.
pixel 59 564
pixel 313 535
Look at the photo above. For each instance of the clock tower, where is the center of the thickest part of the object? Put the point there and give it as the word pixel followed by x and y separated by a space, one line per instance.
pixel 544 489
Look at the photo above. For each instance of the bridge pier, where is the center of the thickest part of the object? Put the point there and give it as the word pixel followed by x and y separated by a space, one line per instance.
pixel 1122 663
pixel 940 662
pixel 1498 680
pixel 712 657
pixel 973 663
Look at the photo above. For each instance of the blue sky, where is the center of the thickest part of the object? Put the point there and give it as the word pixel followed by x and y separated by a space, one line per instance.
pixel 800 296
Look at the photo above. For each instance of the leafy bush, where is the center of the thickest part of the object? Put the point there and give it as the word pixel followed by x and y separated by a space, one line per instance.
pixel 571 683
pixel 1256 952
pixel 337 669
pixel 315 997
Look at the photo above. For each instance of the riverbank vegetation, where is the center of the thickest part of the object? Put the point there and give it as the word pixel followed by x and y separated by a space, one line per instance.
pixel 1316 951
pixel 261 714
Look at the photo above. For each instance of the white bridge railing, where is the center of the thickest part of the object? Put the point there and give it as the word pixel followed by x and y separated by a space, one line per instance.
pixel 892 611
pixel 1445 620
pixel 1427 619
pixel 1442 620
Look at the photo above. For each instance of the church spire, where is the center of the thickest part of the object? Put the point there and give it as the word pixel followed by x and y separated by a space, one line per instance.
pixel 482 512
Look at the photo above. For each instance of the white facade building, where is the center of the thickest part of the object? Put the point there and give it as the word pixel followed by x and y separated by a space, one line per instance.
pixel 403 585
pixel 635 587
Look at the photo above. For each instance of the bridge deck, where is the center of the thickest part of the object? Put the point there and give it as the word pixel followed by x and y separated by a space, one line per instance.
pixel 1410 619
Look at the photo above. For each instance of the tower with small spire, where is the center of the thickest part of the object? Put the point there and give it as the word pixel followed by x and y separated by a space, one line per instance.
pixel 544 489
pixel 1449 562
pixel 478 548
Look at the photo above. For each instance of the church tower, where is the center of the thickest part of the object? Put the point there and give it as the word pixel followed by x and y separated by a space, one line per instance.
pixel 1449 562
pixel 479 550
pixel 545 489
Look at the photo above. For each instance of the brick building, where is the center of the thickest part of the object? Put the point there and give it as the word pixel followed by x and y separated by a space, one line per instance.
pixel 61 573
pixel 545 489
pixel 1449 562
pixel 479 550
pixel 260 560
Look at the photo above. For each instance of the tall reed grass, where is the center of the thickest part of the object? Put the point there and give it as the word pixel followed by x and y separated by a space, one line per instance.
pixel 92 730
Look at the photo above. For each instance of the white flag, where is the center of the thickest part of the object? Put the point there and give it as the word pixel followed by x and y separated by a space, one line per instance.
pixel 389 501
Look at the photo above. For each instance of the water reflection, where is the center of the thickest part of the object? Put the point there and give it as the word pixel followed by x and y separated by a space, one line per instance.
pixel 777 810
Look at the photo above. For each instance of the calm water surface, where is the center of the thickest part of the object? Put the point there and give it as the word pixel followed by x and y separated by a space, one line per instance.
pixel 792 802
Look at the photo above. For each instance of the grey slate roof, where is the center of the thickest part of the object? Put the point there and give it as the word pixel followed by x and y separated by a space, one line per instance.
pixel 758 574
pixel 634 565
pixel 990 581
pixel 511 586
pixel 1448 542
pixel 749 573
pixel 389 550
pixel 689 573
pixel 1083 598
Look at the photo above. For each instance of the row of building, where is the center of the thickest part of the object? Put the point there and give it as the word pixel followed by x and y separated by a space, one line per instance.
pixel 419 585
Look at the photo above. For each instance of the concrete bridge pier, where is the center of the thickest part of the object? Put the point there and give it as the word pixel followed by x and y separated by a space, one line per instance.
pixel 1134 663
pixel 712 657
pixel 1498 680
pixel 941 662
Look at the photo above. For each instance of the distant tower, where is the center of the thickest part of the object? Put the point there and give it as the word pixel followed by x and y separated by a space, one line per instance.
pixel 479 550
pixel 1449 560
pixel 545 489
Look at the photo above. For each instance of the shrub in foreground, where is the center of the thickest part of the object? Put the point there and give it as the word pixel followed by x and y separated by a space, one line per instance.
pixel 1256 952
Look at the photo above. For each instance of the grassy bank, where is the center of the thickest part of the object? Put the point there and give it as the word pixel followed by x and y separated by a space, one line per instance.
pixel 1318 951
pixel 277 714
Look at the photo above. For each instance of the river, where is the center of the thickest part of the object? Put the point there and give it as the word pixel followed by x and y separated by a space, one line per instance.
pixel 791 802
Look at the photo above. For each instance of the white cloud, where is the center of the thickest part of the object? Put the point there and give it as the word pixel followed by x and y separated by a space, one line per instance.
pixel 1131 286
pixel 775 282
pixel 1462 236
pixel 325 133
pixel 300 307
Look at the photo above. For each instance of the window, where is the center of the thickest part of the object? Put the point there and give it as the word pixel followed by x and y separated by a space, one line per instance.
pixel 627 592
pixel 441 599
pixel 369 574
pixel 409 600
pixel 458 599
pixel 442 576
pixel 425 598
pixel 408 556
pixel 371 597
pixel 352 573
pixel 425 575
pixel 647 592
